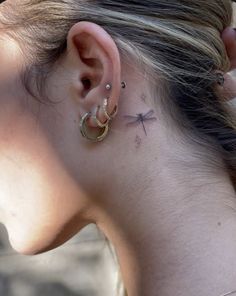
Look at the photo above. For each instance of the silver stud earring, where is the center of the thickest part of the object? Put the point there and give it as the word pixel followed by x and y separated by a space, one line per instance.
pixel 123 84
pixel 108 87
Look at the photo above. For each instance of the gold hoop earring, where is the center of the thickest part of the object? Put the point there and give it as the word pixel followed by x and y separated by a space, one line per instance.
pixel 114 112
pixel 97 121
pixel 84 131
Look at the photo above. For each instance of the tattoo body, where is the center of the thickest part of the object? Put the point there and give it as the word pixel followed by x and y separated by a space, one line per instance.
pixel 140 118
pixel 138 142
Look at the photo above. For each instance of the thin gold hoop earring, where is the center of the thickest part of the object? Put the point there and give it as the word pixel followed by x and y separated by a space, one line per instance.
pixel 105 106
pixel 97 121
pixel 84 129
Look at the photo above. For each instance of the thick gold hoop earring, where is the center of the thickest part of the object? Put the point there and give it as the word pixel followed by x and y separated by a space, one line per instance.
pixel 114 112
pixel 84 132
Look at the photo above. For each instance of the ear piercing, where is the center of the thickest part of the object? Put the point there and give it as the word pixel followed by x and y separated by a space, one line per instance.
pixel 97 121
pixel 84 129
pixel 123 85
pixel 104 126
pixel 114 112
pixel 108 87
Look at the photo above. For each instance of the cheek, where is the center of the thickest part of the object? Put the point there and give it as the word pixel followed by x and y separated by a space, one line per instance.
pixel 43 205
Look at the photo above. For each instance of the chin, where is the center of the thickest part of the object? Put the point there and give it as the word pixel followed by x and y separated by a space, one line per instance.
pixel 29 242
pixel 26 243
pixel 28 248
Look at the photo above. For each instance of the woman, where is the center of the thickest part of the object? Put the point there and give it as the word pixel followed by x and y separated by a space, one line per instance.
pixel 115 113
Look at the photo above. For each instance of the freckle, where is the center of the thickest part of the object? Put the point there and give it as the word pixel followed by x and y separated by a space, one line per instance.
pixel 219 223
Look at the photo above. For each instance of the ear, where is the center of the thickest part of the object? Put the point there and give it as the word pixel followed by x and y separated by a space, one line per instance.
pixel 229 39
pixel 96 61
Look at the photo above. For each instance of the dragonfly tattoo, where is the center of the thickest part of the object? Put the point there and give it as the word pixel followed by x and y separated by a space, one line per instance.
pixel 140 118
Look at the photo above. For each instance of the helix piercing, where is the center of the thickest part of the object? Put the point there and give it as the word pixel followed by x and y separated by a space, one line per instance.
pixel 123 84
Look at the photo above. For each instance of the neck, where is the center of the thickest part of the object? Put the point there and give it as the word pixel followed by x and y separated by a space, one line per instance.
pixel 169 215
pixel 169 226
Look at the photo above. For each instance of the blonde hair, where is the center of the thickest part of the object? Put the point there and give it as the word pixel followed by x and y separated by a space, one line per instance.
pixel 176 42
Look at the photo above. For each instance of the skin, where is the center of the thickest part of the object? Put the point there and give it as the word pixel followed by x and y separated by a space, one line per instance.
pixel 171 226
